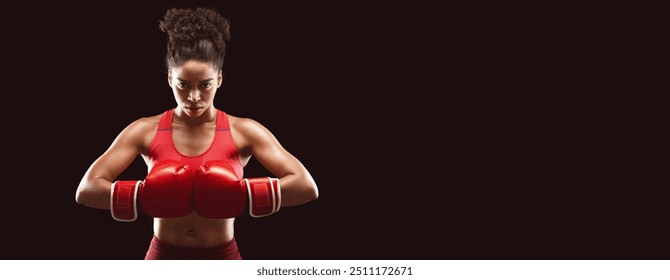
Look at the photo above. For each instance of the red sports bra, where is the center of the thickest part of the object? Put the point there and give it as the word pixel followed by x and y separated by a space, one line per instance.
pixel 223 147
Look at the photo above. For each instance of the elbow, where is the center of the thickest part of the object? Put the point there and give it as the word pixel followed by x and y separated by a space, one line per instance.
pixel 80 196
pixel 83 195
pixel 300 192
pixel 311 192
pixel 315 192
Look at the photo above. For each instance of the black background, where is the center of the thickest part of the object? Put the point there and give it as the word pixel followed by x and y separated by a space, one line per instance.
pixel 432 132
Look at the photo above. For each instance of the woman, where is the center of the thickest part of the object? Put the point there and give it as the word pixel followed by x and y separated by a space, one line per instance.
pixel 195 154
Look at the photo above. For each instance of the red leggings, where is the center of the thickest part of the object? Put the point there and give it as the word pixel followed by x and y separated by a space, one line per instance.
pixel 159 250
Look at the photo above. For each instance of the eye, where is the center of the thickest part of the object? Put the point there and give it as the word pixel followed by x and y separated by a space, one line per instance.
pixel 206 85
pixel 182 85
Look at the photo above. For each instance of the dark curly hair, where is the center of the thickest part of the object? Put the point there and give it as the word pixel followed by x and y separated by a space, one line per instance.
pixel 200 34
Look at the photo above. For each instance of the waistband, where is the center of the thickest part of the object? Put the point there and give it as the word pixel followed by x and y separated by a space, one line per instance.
pixel 160 250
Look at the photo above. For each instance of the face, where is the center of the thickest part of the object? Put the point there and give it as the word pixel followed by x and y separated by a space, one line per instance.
pixel 194 84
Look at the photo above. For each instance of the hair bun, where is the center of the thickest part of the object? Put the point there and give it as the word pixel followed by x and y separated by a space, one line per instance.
pixel 187 25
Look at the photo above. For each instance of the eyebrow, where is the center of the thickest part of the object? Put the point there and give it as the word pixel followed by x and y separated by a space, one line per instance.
pixel 203 81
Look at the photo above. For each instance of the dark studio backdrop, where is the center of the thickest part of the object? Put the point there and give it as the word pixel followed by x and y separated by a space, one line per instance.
pixel 432 133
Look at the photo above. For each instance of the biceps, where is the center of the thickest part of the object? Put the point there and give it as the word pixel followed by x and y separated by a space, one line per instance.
pixel 279 161
pixel 110 164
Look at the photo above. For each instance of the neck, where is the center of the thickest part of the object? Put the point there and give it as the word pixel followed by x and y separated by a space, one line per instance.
pixel 209 116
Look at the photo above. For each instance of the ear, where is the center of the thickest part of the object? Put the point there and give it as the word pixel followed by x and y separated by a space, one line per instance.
pixel 169 77
pixel 219 79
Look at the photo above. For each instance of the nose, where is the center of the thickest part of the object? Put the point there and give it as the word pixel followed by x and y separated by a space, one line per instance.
pixel 194 95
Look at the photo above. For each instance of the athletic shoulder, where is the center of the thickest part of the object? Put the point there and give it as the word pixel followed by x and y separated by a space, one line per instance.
pixel 253 133
pixel 246 126
pixel 140 132
pixel 144 125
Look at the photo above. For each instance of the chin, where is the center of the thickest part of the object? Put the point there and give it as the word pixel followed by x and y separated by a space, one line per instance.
pixel 194 113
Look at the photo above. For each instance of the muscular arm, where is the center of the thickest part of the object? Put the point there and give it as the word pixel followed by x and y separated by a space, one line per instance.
pixel 95 187
pixel 297 185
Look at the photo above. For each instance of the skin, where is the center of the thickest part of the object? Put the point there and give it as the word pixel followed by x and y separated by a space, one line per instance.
pixel 194 85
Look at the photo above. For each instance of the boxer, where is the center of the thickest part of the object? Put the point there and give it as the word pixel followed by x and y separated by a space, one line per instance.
pixel 195 155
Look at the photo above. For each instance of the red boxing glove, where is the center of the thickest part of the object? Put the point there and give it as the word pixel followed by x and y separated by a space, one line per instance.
pixel 218 194
pixel 264 196
pixel 124 200
pixel 167 192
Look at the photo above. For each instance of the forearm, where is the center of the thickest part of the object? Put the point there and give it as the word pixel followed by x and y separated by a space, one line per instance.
pixel 297 189
pixel 94 193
